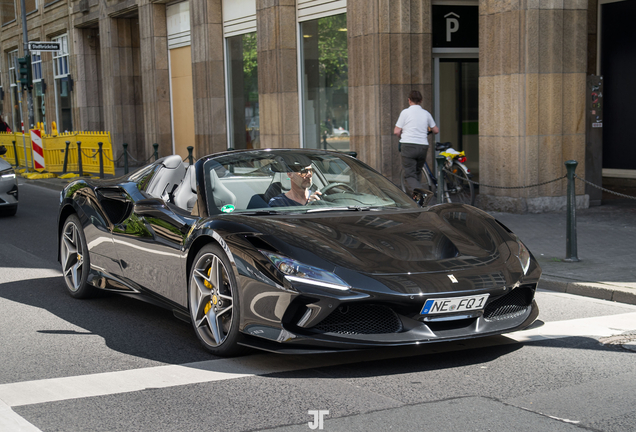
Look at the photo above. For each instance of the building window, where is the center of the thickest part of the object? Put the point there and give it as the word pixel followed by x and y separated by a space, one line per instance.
pixel 38 90
pixel 243 91
pixel 30 5
pixel 325 65
pixel 7 10
pixel 16 117
pixel 63 86
pixel 2 97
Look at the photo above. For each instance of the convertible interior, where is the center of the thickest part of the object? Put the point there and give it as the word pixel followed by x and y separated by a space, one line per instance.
pixel 239 188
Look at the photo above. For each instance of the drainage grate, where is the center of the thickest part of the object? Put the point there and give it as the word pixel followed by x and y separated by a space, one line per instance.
pixel 361 319
pixel 512 305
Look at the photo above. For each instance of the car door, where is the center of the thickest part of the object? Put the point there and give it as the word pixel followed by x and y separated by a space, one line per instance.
pixel 150 246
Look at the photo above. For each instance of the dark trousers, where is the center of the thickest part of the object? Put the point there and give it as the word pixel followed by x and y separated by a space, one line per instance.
pixel 413 158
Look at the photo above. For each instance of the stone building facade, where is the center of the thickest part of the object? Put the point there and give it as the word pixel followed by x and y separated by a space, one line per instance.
pixel 328 74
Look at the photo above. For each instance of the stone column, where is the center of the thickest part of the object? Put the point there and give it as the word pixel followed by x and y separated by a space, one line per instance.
pixel 389 55
pixel 88 88
pixel 532 60
pixel 121 86
pixel 277 73
pixel 208 77
pixel 155 77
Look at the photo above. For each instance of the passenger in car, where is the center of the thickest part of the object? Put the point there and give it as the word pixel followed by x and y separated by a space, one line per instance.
pixel 299 194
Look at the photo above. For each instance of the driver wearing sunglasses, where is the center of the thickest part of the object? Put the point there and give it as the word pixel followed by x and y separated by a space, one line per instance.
pixel 299 194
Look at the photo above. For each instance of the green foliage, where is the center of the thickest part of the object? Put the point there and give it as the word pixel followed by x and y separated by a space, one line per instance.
pixel 250 66
pixel 332 48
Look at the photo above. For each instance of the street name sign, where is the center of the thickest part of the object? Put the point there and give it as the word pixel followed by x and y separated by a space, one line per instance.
pixel 45 46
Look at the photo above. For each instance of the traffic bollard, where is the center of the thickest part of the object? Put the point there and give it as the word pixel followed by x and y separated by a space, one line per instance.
pixel 68 143
pixel 441 160
pixel 570 234
pixel 125 145
pixel 79 158
pixel 190 158
pixel 156 146
pixel 101 160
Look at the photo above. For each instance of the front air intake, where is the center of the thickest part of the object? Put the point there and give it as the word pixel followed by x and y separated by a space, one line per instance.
pixel 511 305
pixel 360 319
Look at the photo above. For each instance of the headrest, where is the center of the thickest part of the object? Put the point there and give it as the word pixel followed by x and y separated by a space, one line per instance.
pixel 171 162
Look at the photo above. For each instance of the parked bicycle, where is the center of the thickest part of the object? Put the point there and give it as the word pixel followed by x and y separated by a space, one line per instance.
pixel 457 188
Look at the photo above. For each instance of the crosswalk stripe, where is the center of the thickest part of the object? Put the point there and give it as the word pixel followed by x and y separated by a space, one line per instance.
pixel 101 384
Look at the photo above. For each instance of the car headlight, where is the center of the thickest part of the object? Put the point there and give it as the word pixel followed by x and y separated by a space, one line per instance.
pixel 7 174
pixel 296 271
pixel 523 256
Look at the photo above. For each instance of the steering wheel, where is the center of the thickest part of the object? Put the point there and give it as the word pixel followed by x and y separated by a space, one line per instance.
pixel 334 185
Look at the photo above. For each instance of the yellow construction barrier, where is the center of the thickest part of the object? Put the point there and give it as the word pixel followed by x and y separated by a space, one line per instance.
pixel 54 148
pixel 7 140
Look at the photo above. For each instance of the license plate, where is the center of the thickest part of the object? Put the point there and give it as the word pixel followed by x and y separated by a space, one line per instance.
pixel 454 304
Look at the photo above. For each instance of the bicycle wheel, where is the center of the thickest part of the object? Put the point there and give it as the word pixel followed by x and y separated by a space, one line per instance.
pixel 426 180
pixel 459 189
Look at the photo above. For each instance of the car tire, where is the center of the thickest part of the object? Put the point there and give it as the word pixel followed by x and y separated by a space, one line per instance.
pixel 214 302
pixel 75 259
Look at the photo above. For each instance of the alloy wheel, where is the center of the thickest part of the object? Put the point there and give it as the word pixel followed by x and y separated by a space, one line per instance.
pixel 211 299
pixel 72 256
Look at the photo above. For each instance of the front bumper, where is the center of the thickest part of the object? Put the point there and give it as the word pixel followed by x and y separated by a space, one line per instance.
pixel 368 323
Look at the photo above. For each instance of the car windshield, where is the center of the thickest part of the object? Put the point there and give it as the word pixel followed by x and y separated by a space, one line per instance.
pixel 307 181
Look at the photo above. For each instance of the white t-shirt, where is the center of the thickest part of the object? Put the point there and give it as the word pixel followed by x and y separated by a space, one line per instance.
pixel 414 122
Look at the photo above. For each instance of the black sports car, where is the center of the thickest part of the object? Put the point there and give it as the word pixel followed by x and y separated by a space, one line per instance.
pixel 295 251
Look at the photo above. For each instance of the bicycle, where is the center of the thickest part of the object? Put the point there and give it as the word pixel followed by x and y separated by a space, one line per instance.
pixel 457 188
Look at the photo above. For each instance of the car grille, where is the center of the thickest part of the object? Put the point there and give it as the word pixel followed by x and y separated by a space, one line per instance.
pixel 512 305
pixel 361 319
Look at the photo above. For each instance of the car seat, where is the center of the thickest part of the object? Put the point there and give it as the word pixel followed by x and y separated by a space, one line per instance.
pixel 185 195
pixel 221 195
pixel 166 179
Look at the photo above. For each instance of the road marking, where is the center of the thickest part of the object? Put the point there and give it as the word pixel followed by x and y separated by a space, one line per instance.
pixel 602 326
pixel 101 384
pixel 10 421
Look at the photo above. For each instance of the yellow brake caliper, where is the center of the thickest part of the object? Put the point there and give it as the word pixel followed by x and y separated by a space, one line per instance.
pixel 208 285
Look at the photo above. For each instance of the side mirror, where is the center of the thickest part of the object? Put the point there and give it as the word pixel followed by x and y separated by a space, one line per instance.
pixel 422 196
pixel 3 150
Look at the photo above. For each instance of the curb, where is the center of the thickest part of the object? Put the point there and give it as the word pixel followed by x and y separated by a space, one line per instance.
pixel 590 289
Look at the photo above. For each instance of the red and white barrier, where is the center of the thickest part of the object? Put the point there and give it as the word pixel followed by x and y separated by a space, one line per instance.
pixel 38 150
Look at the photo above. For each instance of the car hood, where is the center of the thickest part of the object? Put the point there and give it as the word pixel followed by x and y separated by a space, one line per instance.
pixel 441 239
pixel 4 164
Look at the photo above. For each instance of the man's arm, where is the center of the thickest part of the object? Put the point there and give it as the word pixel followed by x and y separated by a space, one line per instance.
pixel 397 131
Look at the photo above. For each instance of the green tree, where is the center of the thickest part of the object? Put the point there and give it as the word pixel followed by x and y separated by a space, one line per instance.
pixel 332 49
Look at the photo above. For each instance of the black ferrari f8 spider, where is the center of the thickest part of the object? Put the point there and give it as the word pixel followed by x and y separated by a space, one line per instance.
pixel 295 251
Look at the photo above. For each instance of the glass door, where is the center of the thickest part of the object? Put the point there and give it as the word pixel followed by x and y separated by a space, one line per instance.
pixel 457 106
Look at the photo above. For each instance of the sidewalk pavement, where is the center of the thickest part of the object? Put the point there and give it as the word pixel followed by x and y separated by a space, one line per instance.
pixel 606 239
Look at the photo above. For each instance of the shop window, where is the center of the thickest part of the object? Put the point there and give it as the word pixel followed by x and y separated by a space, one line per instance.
pixel 325 75
pixel 7 11
pixel 63 86
pixel 38 90
pixel 243 91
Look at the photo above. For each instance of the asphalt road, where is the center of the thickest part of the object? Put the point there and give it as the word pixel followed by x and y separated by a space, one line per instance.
pixel 117 364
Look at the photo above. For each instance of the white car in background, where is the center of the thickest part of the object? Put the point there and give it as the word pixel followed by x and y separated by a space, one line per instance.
pixel 8 187
pixel 339 132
